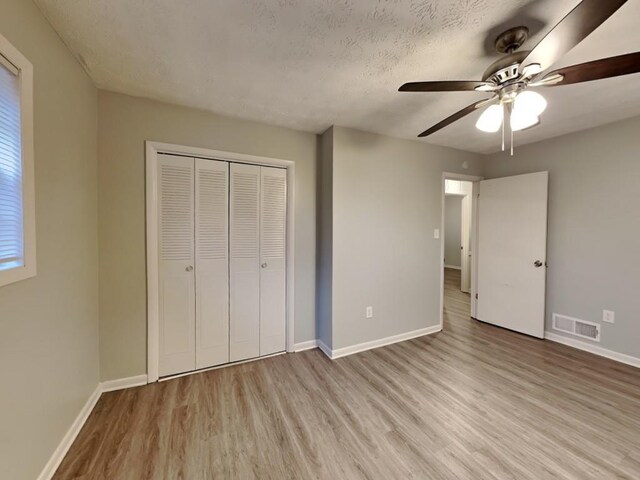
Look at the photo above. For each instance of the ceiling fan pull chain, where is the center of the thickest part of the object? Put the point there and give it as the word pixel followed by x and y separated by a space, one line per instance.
pixel 504 117
pixel 511 130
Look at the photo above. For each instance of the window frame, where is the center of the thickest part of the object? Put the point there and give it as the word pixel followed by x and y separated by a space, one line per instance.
pixel 25 79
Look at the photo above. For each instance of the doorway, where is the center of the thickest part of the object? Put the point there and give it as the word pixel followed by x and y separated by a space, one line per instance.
pixel 506 254
pixel 457 226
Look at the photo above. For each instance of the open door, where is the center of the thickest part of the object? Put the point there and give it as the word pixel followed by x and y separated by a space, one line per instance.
pixel 511 252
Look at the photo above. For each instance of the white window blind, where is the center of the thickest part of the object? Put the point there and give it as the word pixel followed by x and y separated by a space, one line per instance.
pixel 11 200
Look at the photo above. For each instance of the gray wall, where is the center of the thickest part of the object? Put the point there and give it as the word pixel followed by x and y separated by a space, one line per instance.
pixel 124 125
pixel 594 225
pixel 452 230
pixel 49 323
pixel 387 200
pixel 324 260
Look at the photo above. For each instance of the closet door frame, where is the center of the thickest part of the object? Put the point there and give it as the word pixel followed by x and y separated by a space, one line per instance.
pixel 152 217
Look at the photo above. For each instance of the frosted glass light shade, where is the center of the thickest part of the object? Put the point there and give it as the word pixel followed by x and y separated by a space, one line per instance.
pixel 491 119
pixel 521 120
pixel 530 102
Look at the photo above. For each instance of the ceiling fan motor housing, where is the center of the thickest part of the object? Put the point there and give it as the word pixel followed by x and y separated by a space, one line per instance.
pixel 505 69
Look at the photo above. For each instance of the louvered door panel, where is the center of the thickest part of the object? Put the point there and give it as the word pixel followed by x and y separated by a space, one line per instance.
pixel 176 252
pixel 273 222
pixel 244 281
pixel 212 267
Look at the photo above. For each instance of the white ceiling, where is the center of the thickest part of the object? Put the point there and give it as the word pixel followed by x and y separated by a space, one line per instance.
pixel 309 64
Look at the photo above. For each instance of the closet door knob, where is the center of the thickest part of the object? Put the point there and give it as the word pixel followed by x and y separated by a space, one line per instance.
pixel 264 265
pixel 189 268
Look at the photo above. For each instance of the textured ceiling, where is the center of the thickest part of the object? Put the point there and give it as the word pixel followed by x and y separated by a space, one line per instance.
pixel 309 64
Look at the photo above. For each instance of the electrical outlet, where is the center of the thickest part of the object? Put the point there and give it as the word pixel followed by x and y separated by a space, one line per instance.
pixel 608 316
pixel 436 233
pixel 369 312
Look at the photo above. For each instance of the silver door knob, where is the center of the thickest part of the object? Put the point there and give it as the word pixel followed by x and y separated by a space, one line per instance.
pixel 537 263
pixel 264 265
pixel 189 268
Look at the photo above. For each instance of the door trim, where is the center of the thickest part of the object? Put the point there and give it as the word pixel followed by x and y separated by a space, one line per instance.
pixel 474 231
pixel 152 149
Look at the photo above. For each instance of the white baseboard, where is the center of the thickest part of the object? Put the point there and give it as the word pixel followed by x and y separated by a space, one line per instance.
pixel 62 449
pixel 361 347
pixel 120 383
pixel 58 455
pixel 218 367
pixel 595 349
pixel 302 346
pixel 325 348
pixel 453 266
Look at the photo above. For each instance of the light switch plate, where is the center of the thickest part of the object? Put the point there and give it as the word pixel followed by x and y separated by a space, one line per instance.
pixel 436 233
pixel 369 312
pixel 608 316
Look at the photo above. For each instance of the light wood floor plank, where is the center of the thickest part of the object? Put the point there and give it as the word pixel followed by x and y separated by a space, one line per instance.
pixel 472 402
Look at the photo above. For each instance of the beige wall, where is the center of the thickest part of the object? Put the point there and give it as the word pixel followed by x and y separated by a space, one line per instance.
pixel 387 201
pixel 594 225
pixel 124 125
pixel 49 323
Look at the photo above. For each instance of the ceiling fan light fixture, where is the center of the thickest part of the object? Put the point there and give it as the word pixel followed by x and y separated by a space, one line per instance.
pixel 529 103
pixel 521 120
pixel 491 119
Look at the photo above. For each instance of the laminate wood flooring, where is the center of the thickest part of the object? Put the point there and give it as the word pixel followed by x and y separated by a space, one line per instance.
pixel 472 402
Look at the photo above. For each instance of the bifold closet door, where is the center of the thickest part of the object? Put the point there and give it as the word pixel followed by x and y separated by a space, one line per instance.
pixel 273 235
pixel 222 248
pixel 176 262
pixel 212 262
pixel 244 267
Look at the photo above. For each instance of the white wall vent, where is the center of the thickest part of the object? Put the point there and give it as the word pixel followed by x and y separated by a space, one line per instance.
pixel 577 327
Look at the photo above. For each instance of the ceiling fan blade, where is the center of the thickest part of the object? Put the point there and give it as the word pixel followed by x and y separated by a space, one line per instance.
pixel 572 29
pixel 458 115
pixel 453 86
pixel 596 70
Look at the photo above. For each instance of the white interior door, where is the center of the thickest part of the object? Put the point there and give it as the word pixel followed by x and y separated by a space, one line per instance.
pixel 512 246
pixel 273 221
pixel 244 268
pixel 212 262
pixel 176 272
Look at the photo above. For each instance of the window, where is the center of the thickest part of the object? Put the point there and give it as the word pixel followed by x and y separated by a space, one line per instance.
pixel 17 222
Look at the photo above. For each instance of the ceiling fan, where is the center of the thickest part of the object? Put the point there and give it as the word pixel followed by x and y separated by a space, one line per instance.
pixel 510 78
